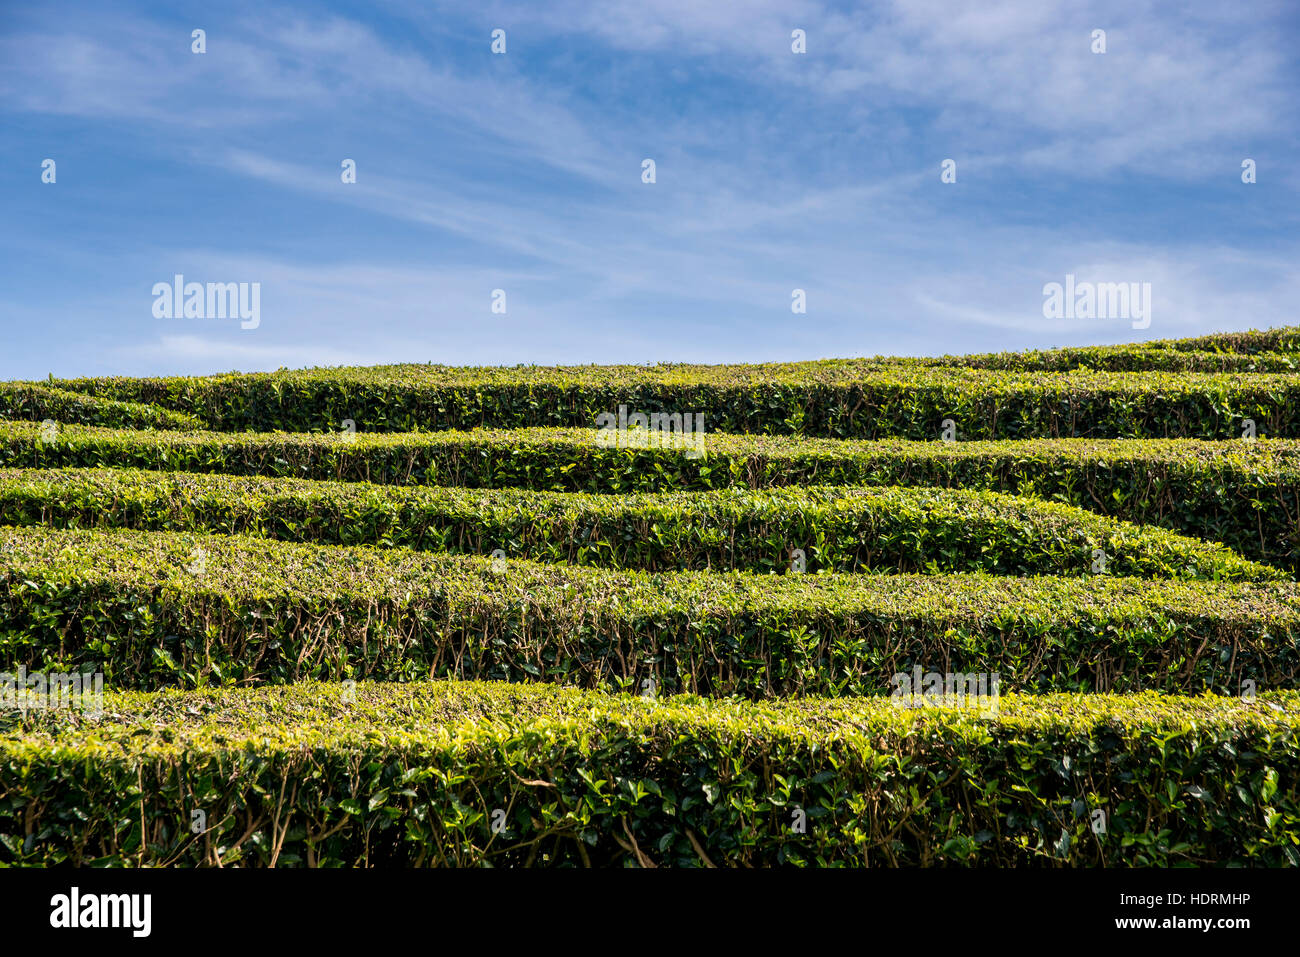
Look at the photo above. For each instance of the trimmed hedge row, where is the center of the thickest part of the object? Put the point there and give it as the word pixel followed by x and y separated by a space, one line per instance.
pixel 862 399
pixel 30 401
pixel 834 529
pixel 475 774
pixel 1272 350
pixel 1243 494
pixel 157 608
pixel 1278 339
pixel 1123 359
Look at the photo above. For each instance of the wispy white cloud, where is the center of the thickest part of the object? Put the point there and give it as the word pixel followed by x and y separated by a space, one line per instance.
pixel 775 171
pixel 1173 80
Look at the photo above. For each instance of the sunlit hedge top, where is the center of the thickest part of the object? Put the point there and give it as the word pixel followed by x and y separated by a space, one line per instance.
pixel 835 528
pixel 1265 457
pixel 681 377
pixel 441 715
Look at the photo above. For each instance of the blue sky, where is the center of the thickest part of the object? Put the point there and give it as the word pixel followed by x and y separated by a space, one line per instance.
pixel 522 172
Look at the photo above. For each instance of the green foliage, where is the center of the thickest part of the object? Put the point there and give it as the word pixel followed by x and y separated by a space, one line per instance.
pixel 1274 350
pixel 417 774
pixel 1243 494
pixel 1123 359
pixel 153 609
pixel 836 528
pixel 29 401
pixel 843 398
pixel 1119 359
pixel 252 575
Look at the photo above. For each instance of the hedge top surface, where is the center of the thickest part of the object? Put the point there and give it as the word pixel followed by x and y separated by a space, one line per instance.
pixel 1269 456
pixel 270 574
pixel 723 505
pixel 1273 350
pixel 436 715
pixel 866 373
pixel 362 512
pixel 1283 338
pixel 1122 359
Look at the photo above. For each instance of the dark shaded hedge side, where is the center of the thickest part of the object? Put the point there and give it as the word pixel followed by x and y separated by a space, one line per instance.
pixel 32 402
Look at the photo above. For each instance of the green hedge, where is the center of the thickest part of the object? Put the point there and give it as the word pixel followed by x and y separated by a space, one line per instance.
pixel 507 775
pixel 1272 350
pixel 29 401
pixel 158 608
pixel 1123 359
pixel 1244 494
pixel 835 529
pixel 1250 342
pixel 848 398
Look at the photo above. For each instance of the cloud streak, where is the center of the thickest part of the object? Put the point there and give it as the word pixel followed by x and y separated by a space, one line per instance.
pixel 522 172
